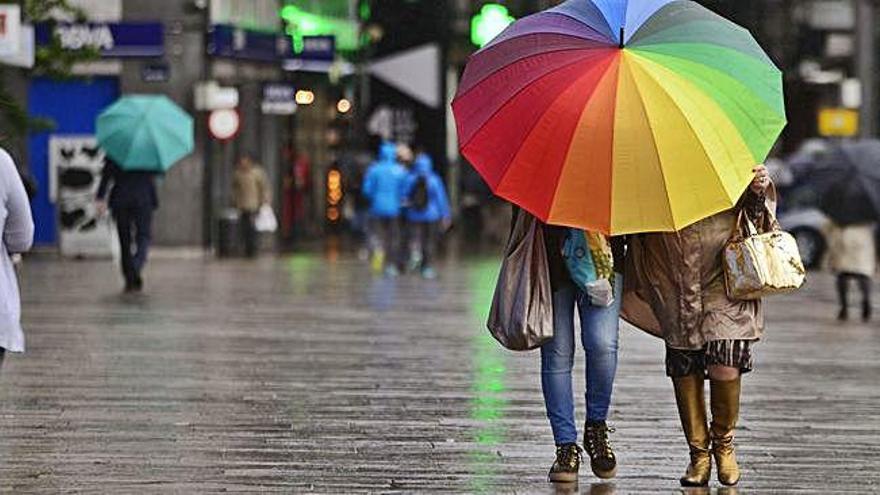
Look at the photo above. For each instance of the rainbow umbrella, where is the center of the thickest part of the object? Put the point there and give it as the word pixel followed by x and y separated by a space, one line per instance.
pixel 620 116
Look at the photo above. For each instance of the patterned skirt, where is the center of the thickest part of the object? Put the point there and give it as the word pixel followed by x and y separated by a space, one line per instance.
pixel 731 353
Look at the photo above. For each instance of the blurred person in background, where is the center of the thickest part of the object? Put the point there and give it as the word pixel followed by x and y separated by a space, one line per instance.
pixel 17 234
pixel 132 201
pixel 296 188
pixel 427 213
pixel 675 290
pixel 406 157
pixel 383 185
pixel 250 192
pixel 853 257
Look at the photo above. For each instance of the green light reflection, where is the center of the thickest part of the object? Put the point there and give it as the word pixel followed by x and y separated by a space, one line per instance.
pixel 301 268
pixel 489 363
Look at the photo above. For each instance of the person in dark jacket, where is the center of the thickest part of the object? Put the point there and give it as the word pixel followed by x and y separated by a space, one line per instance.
pixel 132 201
pixel 600 325
pixel 427 210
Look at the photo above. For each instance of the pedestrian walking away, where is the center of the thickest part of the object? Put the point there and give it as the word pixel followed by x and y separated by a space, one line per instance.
pixel 599 312
pixel 383 187
pixel 250 192
pixel 132 201
pixel 17 234
pixel 853 257
pixel 427 213
pixel 675 289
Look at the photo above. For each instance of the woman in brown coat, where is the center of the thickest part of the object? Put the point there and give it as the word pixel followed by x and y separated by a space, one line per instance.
pixel 675 290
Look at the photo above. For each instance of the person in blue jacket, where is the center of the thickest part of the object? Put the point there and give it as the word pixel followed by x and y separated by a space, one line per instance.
pixel 427 211
pixel 383 185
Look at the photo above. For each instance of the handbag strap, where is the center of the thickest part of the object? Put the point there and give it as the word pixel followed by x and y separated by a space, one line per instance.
pixel 746 228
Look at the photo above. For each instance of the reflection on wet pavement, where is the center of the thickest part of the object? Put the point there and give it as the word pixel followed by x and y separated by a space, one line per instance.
pixel 309 374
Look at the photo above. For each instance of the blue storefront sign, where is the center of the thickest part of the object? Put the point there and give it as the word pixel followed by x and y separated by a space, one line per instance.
pixel 317 48
pixel 230 41
pixel 279 99
pixel 245 44
pixel 112 39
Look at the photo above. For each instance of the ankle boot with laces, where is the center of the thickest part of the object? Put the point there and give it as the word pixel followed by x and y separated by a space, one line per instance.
pixel 567 465
pixel 598 447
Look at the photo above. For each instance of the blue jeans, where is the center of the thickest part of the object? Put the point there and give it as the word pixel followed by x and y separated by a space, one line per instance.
pixel 599 336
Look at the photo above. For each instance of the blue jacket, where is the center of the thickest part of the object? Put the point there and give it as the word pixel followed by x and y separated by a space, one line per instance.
pixel 438 202
pixel 383 183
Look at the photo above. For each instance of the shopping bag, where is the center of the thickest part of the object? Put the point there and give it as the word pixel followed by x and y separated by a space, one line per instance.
pixel 265 220
pixel 521 317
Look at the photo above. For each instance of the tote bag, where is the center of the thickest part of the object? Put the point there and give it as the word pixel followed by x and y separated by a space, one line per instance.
pixel 521 317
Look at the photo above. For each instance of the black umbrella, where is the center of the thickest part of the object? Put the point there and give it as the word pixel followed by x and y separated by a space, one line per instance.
pixel 850 179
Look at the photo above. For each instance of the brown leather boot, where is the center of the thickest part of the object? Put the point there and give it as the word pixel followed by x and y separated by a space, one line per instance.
pixel 725 413
pixel 690 396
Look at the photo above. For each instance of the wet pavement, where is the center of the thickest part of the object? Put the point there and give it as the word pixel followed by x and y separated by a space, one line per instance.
pixel 308 374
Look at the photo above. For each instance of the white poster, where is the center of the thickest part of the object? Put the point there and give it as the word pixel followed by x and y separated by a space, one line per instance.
pixel 10 29
pixel 75 165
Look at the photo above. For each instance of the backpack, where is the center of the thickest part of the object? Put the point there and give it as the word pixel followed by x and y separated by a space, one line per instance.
pixel 418 198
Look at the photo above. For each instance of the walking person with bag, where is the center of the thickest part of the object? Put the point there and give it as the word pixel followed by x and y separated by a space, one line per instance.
pixel 676 290
pixel 251 192
pixel 583 273
pixel 427 213
pixel 17 236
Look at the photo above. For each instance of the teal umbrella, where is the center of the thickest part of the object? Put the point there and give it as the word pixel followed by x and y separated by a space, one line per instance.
pixel 145 132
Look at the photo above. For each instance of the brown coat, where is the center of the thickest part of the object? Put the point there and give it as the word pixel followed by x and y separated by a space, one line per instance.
pixel 250 189
pixel 675 286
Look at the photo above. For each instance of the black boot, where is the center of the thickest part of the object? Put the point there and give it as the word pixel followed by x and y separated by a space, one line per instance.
pixel 598 447
pixel 567 465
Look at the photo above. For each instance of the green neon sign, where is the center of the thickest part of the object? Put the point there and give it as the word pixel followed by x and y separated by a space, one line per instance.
pixel 302 23
pixel 489 23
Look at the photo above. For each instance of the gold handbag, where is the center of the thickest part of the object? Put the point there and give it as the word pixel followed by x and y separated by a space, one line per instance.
pixel 757 265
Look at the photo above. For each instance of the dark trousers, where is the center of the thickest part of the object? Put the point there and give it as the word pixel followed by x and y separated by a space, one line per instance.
pixel 387 238
pixel 248 233
pixel 423 240
pixel 843 282
pixel 134 224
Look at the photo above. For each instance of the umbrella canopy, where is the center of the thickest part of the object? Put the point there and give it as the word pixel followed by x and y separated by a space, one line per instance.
pixel 145 133
pixel 620 115
pixel 850 176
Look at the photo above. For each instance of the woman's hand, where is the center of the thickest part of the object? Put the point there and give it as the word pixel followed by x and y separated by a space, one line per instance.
pixel 761 181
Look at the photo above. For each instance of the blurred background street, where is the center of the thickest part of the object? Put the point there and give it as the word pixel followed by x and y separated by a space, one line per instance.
pixel 307 374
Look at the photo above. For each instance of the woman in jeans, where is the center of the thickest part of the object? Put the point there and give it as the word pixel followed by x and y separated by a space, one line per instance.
pixel 676 291
pixel 599 337
pixel 16 236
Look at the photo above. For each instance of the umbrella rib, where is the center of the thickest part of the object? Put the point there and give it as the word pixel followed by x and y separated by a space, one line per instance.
pixel 514 96
pixel 656 148
pixel 775 88
pixel 750 115
pixel 523 59
pixel 562 67
pixel 561 95
pixel 611 30
pixel 697 138
pixel 532 33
